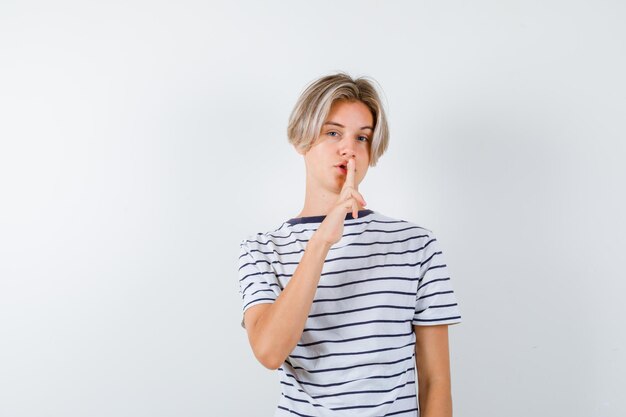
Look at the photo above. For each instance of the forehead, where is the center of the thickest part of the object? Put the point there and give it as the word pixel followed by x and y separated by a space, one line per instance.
pixel 354 112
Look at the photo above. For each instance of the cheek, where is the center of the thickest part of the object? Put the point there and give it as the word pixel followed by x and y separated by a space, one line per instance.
pixel 362 170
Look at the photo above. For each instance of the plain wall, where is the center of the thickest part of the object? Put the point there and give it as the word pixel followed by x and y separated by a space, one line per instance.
pixel 141 141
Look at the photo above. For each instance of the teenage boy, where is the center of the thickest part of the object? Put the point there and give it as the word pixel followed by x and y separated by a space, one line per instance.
pixel 351 306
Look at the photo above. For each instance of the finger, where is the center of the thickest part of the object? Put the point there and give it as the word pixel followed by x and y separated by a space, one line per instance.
pixel 355 209
pixel 350 175
pixel 358 196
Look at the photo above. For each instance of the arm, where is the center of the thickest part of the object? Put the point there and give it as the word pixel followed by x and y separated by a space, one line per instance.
pixel 274 329
pixel 433 370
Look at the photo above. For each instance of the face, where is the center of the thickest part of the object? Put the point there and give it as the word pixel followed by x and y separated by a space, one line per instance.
pixel 347 132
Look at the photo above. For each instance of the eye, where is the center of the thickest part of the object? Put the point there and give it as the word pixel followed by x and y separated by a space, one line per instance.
pixel 365 139
pixel 332 133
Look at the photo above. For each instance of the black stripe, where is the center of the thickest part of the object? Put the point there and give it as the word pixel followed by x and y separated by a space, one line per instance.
pixel 356 269
pixel 435 293
pixel 301 401
pixel 248 286
pixel 360 406
pixel 323 300
pixel 250 295
pixel 293 230
pixel 376 243
pixel 352 324
pixel 368 280
pixel 401 412
pixel 355 338
pixel 325 273
pixel 361 365
pixel 348 392
pixel 333 248
pixel 361 309
pixel 441 319
pixel 404 397
pixel 294 412
pixel 319 219
pixel 350 353
pixel 363 406
pixel 425 261
pixel 431 268
pixel 335 384
pixel 360 392
pixel 259 299
pixel 333 259
pixel 252 263
pixel 431 281
pixel 371 255
pixel 435 306
pixel 444 305
pixel 355 233
pixel 256 273
pixel 336 247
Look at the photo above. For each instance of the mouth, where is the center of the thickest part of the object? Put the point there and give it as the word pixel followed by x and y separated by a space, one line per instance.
pixel 342 168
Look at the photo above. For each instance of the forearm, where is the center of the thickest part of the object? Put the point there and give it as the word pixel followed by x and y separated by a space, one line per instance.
pixel 279 329
pixel 435 399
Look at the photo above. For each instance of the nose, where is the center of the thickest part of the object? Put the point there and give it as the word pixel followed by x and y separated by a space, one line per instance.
pixel 347 149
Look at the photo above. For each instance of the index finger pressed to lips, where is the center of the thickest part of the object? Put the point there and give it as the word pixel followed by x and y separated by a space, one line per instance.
pixel 350 174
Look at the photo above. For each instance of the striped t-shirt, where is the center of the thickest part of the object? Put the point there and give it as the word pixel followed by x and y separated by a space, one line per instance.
pixel 356 356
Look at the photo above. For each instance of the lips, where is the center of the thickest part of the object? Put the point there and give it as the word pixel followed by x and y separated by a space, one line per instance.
pixel 343 164
pixel 343 168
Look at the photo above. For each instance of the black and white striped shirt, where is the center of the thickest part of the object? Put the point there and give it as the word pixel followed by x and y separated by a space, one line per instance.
pixel 356 356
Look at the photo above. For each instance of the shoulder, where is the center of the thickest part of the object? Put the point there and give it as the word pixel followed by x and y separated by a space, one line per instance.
pixel 269 240
pixel 402 224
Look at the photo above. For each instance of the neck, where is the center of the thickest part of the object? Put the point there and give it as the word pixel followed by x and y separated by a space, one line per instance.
pixel 319 202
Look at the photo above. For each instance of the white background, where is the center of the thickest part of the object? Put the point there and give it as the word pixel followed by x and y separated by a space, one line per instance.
pixel 141 141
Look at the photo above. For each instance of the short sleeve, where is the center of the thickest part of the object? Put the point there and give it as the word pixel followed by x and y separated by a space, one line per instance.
pixel 255 278
pixel 435 301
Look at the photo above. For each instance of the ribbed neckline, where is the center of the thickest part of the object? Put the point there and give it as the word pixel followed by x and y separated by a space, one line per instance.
pixel 319 219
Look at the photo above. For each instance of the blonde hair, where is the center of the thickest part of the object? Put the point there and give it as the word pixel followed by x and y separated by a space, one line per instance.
pixel 313 106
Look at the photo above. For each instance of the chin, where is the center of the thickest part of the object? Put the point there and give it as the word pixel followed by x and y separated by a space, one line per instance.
pixel 335 187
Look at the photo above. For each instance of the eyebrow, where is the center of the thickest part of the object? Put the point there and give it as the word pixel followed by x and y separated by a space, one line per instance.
pixel 340 125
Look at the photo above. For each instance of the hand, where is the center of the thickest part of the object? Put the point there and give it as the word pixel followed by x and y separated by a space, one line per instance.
pixel 331 229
